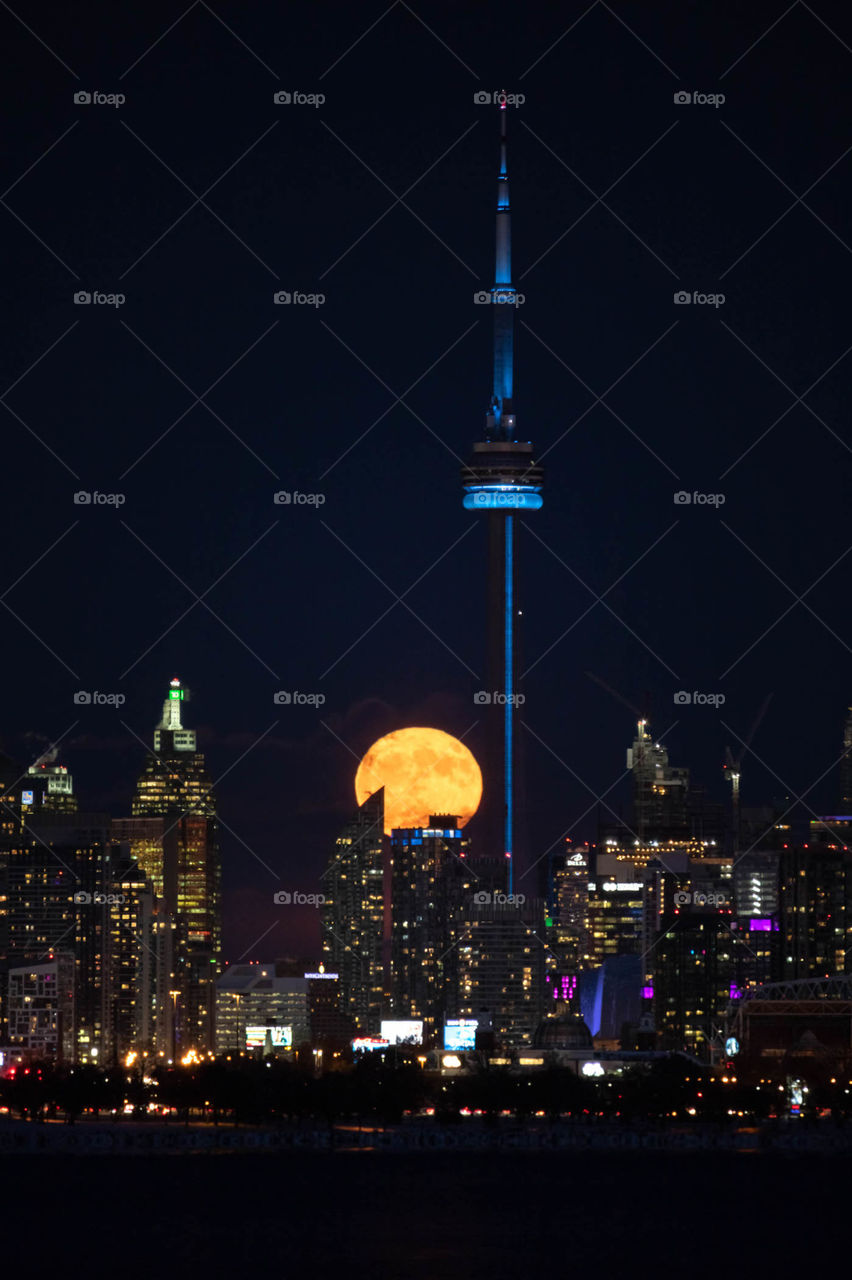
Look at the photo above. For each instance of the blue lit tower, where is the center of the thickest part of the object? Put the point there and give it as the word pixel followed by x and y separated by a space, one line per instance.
pixel 502 479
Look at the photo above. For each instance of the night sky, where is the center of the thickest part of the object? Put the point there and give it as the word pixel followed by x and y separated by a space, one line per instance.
pixel 199 198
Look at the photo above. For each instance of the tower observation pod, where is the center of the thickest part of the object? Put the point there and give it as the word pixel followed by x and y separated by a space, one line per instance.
pixel 502 479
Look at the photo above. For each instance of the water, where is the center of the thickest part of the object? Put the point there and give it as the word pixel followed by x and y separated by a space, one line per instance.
pixel 424 1217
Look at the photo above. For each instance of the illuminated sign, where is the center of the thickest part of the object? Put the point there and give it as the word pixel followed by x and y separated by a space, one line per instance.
pixel 322 975
pixel 592 1069
pixel 281 1037
pixel 403 1031
pixel 460 1033
pixel 369 1043
pixel 760 926
pixel 732 1046
pixel 611 887
pixel 26 797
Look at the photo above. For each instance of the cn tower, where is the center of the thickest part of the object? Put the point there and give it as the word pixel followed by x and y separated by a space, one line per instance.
pixel 503 479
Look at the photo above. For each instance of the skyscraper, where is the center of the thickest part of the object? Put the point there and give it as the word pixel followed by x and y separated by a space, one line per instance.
pixel 660 792
pixel 177 848
pixel 431 887
pixel 501 968
pixel 51 785
pixel 353 914
pixel 502 479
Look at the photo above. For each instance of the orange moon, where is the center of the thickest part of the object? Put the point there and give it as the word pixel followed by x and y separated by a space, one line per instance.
pixel 423 771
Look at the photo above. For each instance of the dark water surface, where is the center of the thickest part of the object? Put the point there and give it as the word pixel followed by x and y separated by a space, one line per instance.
pixel 426 1216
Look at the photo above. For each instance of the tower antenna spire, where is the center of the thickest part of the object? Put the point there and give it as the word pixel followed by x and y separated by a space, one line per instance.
pixel 500 423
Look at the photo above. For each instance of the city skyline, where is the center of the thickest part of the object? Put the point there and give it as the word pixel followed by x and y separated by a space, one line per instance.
pixel 697 394
pixel 468 801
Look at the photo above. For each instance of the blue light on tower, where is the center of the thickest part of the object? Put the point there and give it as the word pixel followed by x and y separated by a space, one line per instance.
pixel 503 479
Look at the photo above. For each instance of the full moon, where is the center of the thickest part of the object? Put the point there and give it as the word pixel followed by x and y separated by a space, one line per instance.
pixel 423 771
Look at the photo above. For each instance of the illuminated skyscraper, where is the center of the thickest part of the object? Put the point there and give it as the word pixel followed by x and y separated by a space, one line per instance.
pixel 431 887
pixel 502 480
pixel 181 858
pixel 502 966
pixel 353 914
pixel 51 785
pixel 694 965
pixel 660 792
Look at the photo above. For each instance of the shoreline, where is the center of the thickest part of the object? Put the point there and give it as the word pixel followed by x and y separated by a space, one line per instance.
pixel 92 1137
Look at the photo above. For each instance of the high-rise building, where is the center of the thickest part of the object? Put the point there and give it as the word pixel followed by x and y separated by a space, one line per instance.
pixel 40 1010
pixel 50 786
pixel 352 915
pixel 330 1028
pixel 694 969
pixel 502 969
pixel 131 970
pixel 431 887
pixel 567 915
pixel 503 480
pixel 615 911
pixel 816 910
pixel 660 792
pixel 181 858
pixel 56 873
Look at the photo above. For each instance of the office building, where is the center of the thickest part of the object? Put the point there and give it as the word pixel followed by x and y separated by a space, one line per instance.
pixel 258 1011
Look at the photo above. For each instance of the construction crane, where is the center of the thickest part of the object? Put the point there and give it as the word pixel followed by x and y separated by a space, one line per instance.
pixel 732 770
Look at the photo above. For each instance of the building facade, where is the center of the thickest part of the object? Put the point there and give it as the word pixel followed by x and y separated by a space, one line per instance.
pixel 352 915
